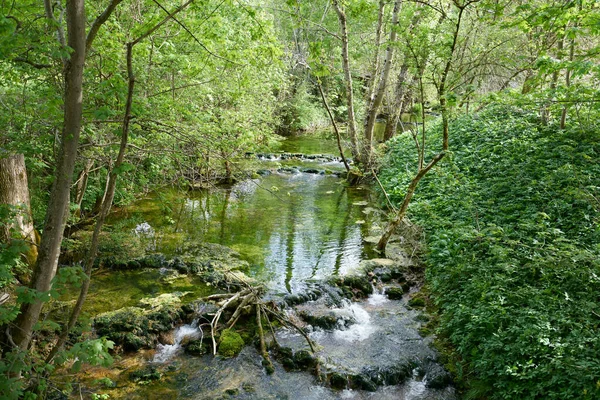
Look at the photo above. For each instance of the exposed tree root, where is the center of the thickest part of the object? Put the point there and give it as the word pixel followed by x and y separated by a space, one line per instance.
pixel 243 303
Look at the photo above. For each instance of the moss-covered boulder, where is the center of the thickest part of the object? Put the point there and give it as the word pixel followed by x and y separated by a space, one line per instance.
pixel 230 343
pixel 394 293
pixel 134 328
pixel 353 286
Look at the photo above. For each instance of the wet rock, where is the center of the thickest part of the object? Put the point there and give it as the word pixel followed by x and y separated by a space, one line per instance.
pixel 391 374
pixel 324 319
pixel 397 274
pixel 263 172
pixel 230 343
pixel 145 374
pixel 196 348
pixel 436 377
pixel 166 338
pixel 353 286
pixel 394 293
pixel 304 359
pixel 338 381
pixel 311 171
pixel 289 170
pixel 362 382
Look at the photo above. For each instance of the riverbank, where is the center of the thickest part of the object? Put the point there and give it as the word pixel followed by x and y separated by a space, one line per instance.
pixel 511 228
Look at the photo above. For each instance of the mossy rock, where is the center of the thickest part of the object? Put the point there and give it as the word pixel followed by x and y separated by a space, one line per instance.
pixel 355 286
pixel 149 373
pixel 135 328
pixel 394 293
pixel 304 360
pixel 196 348
pixel 338 381
pixel 230 343
pixel 417 302
pixel 363 382
pixel 322 320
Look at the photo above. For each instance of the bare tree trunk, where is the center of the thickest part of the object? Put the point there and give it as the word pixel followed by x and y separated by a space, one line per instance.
pixel 56 213
pixel 395 223
pixel 335 127
pixel 563 116
pixel 375 70
pixel 400 98
pixel 381 86
pixel 15 191
pixel 82 181
pixel 348 79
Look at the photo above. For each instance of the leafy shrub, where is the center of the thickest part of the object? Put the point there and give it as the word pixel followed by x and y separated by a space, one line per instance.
pixel 511 220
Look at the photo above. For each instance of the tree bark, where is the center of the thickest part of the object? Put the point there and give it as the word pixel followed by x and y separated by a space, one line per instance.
pixel 381 86
pixel 375 70
pixel 348 80
pixel 15 192
pixel 335 127
pixel 56 213
pixel 82 185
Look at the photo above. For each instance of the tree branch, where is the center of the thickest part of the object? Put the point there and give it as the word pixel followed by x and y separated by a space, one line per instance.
pixel 102 18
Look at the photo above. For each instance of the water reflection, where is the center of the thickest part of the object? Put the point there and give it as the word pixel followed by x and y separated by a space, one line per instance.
pixel 290 227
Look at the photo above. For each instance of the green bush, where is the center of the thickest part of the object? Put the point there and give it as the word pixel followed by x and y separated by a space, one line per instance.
pixel 511 221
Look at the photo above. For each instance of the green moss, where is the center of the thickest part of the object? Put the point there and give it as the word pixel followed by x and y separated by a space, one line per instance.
pixel 230 343
pixel 417 302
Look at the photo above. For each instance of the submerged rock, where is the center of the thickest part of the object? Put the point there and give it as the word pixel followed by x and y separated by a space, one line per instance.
pixel 149 373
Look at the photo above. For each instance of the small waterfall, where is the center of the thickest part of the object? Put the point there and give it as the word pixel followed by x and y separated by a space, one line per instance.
pixel 378 297
pixel 164 352
pixel 358 331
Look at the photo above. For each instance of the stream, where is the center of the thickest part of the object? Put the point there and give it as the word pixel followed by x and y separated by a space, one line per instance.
pixel 296 225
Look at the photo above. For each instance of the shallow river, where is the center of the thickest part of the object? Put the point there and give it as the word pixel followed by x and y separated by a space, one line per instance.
pixel 294 227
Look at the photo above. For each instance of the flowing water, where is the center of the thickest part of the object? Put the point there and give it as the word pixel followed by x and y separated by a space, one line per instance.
pixel 294 228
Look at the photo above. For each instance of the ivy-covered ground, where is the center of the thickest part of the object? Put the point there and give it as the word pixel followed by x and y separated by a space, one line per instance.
pixel 513 252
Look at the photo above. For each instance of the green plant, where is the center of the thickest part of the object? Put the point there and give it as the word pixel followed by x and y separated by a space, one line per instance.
pixel 511 222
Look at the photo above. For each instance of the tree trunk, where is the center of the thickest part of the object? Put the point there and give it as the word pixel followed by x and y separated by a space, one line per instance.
pixel 14 191
pixel 82 185
pixel 398 106
pixel 348 80
pixel 375 70
pixel 381 86
pixel 56 214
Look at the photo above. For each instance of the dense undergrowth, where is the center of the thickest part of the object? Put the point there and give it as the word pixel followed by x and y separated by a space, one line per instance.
pixel 513 252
